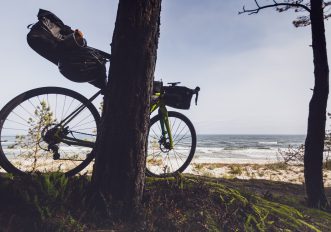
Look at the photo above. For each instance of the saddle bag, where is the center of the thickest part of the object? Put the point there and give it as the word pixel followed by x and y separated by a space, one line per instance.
pixel 67 49
pixel 83 64
pixel 46 35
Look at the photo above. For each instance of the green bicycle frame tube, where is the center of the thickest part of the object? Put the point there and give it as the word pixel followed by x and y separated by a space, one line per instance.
pixel 164 121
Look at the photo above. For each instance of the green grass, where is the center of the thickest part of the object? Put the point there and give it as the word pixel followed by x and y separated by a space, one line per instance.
pixel 186 203
pixel 236 169
pixel 327 165
pixel 276 166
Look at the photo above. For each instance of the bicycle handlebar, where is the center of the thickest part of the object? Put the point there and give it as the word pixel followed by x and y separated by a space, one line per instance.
pixel 173 83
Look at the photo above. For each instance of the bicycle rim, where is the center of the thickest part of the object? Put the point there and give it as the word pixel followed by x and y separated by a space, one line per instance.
pixel 27 118
pixel 164 162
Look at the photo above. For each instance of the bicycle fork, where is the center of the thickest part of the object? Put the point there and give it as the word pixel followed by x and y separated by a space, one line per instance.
pixel 166 130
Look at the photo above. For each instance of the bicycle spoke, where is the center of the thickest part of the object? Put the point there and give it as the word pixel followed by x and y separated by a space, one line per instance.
pixel 179 133
pixel 64 104
pixel 31 115
pixel 39 100
pixel 21 117
pixel 82 120
pixel 169 161
pixel 182 138
pixel 47 100
pixel 19 123
pixel 66 113
pixel 56 106
pixel 174 134
pixel 154 155
pixel 173 124
pixel 175 152
pixel 87 129
pixel 178 165
pixel 156 135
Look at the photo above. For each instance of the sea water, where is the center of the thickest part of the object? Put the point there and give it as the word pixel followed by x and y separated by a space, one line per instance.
pixel 224 148
pixel 244 148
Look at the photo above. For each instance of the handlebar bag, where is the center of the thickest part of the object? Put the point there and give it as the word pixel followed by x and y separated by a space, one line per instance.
pixel 178 97
pixel 55 41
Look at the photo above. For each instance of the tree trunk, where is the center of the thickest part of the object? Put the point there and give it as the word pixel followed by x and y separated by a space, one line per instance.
pixel 314 144
pixel 119 170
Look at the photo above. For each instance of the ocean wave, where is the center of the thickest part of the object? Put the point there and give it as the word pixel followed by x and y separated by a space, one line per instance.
pixel 268 143
pixel 263 148
pixel 208 150
pixel 238 155
pixel 247 151
pixel 235 148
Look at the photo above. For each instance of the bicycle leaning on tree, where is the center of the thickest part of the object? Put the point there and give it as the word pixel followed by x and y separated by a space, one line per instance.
pixel 53 129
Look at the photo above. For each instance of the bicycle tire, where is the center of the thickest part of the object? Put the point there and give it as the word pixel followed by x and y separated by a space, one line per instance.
pixel 13 161
pixel 163 162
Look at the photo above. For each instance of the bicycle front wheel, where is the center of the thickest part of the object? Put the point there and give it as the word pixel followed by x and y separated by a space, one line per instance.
pixel 32 139
pixel 162 161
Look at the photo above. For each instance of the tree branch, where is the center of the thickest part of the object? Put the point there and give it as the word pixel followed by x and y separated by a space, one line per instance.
pixel 276 4
pixel 326 4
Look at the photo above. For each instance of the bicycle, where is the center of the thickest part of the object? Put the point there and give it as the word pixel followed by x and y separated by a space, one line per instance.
pixel 51 129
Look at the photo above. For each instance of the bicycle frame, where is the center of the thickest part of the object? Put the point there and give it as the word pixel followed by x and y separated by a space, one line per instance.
pixel 163 112
pixel 159 104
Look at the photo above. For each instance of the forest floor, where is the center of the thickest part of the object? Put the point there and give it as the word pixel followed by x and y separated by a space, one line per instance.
pixel 186 203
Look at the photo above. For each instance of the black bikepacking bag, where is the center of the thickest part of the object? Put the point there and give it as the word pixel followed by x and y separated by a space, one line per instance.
pixel 178 96
pixel 84 64
pixel 46 35
pixel 58 43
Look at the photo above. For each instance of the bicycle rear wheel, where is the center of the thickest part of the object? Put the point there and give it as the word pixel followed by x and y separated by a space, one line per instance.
pixel 162 161
pixel 28 129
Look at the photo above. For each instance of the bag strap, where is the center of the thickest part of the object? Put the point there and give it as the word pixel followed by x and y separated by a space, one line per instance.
pixel 104 54
pixel 30 25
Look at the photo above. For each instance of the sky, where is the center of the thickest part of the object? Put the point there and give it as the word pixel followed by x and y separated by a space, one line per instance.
pixel 255 71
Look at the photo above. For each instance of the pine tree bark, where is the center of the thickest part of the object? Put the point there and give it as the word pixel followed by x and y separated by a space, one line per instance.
pixel 314 144
pixel 119 170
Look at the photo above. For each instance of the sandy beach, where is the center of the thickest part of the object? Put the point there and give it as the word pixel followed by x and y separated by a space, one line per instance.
pixel 219 168
pixel 267 170
pixel 275 171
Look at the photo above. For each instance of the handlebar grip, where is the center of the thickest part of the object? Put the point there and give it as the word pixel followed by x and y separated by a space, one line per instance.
pixel 196 91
